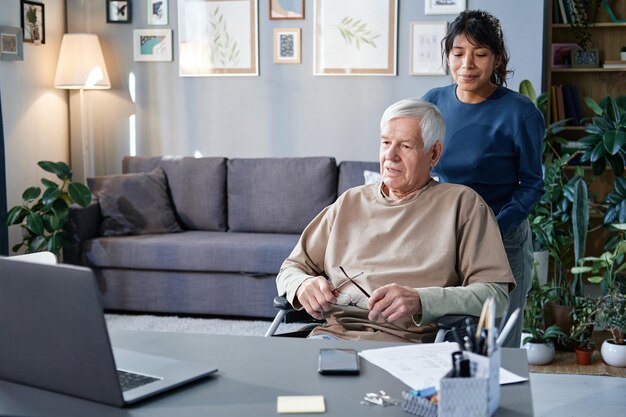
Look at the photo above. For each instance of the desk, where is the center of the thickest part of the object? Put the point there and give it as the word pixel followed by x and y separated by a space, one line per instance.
pixel 253 371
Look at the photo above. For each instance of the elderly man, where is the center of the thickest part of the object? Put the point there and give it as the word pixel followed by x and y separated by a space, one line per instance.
pixel 386 260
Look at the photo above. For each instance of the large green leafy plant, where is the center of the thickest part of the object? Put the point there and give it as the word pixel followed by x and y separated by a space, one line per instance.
pixel 43 216
pixel 606 141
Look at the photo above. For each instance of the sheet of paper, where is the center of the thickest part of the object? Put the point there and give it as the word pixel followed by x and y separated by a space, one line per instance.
pixel 422 365
pixel 289 404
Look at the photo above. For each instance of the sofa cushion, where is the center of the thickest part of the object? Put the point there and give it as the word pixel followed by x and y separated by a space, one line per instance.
pixel 351 174
pixel 197 186
pixel 278 195
pixel 261 253
pixel 134 204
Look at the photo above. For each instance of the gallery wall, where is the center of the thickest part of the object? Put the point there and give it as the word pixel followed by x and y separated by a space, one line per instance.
pixel 285 111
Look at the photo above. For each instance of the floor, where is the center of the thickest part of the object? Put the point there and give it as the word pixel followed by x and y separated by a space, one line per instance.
pixel 578 395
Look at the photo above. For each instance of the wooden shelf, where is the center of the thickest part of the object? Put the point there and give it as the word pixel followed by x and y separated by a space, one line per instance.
pixel 593 26
pixel 588 70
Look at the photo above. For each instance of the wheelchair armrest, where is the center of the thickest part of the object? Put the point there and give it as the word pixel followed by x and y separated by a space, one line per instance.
pixel 281 303
pixel 449 321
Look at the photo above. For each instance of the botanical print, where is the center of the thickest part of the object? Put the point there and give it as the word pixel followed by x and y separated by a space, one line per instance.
pixel 218 37
pixel 355 30
pixel 223 49
pixel 425 44
pixel 355 37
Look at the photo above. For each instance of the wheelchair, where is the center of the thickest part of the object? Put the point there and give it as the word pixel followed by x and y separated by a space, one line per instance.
pixel 445 324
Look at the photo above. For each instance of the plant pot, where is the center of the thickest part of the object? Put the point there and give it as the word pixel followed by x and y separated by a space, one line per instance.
pixel 542 260
pixel 613 354
pixel 583 355
pixel 561 316
pixel 539 353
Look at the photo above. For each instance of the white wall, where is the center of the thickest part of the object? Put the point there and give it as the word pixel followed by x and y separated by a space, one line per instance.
pixel 35 114
pixel 286 111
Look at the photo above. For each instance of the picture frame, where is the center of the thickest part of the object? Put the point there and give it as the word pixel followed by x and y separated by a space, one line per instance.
pixel 355 37
pixel 158 12
pixel 438 7
pixel 33 18
pixel 286 9
pixel 119 11
pixel 218 38
pixel 154 45
pixel 287 46
pixel 11 44
pixel 425 51
pixel 561 53
pixel 582 58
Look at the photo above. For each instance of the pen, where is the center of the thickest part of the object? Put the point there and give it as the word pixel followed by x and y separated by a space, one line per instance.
pixel 507 327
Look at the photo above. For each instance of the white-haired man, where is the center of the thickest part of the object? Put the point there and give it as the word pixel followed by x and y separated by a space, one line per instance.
pixel 386 260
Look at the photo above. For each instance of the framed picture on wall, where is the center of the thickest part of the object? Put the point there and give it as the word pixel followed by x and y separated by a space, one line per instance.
pixel 11 44
pixel 218 38
pixel 119 11
pixel 355 37
pixel 152 44
pixel 33 22
pixel 425 54
pixel 158 11
pixel 444 6
pixel 286 9
pixel 287 46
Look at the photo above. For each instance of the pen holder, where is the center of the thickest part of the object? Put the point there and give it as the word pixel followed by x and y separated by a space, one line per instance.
pixel 476 396
pixel 418 406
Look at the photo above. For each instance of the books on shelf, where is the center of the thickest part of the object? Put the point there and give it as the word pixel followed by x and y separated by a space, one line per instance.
pixel 614 64
pixel 565 103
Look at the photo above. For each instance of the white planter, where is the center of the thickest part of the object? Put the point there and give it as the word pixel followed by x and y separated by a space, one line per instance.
pixel 539 353
pixel 542 260
pixel 613 355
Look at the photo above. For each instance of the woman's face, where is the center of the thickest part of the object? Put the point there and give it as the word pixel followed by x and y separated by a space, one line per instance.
pixel 471 67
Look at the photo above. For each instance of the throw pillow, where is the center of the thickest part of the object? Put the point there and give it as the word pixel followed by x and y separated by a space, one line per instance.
pixel 371 177
pixel 134 204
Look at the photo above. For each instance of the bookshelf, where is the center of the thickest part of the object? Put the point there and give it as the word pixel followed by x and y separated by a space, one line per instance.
pixel 607 37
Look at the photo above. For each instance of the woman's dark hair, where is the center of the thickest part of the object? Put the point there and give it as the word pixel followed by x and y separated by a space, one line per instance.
pixel 481 29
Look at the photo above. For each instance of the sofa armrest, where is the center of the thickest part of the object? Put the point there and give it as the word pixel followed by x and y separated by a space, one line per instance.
pixel 83 224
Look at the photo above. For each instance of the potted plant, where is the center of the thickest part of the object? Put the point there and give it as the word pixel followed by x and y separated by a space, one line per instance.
pixel 43 216
pixel 607 135
pixel 583 317
pixel 586 13
pixel 612 314
pixel 540 344
pixel 606 270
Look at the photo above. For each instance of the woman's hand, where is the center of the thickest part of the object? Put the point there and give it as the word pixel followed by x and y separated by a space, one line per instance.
pixel 393 302
pixel 316 296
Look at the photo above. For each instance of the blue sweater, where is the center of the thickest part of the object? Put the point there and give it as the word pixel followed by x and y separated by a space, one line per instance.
pixel 494 147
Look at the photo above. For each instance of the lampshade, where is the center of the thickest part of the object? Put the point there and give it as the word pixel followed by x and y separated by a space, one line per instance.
pixel 81 63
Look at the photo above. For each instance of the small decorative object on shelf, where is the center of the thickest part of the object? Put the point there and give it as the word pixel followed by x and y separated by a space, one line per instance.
pixel 582 58
pixel 622 53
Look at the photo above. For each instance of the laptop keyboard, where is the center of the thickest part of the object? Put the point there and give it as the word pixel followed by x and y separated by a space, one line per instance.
pixel 130 380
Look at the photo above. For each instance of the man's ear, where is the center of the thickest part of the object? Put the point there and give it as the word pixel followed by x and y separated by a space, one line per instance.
pixel 436 149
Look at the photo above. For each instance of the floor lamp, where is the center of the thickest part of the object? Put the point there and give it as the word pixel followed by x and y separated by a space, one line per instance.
pixel 81 67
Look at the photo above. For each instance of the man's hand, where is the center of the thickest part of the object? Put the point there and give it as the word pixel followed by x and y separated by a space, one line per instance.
pixel 316 296
pixel 393 302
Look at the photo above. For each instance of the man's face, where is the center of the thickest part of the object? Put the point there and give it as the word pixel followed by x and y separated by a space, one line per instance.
pixel 404 164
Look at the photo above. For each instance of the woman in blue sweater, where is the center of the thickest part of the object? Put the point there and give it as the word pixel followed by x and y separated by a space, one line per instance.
pixel 493 140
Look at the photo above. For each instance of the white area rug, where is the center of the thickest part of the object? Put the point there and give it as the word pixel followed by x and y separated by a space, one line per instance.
pixel 194 325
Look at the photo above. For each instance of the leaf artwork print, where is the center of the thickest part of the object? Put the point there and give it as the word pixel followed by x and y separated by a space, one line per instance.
pixel 223 49
pixel 355 31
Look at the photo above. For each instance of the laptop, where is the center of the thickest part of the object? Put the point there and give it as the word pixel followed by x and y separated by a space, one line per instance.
pixel 53 336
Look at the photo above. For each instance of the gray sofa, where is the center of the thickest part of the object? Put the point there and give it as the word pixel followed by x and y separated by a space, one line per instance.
pixel 233 223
